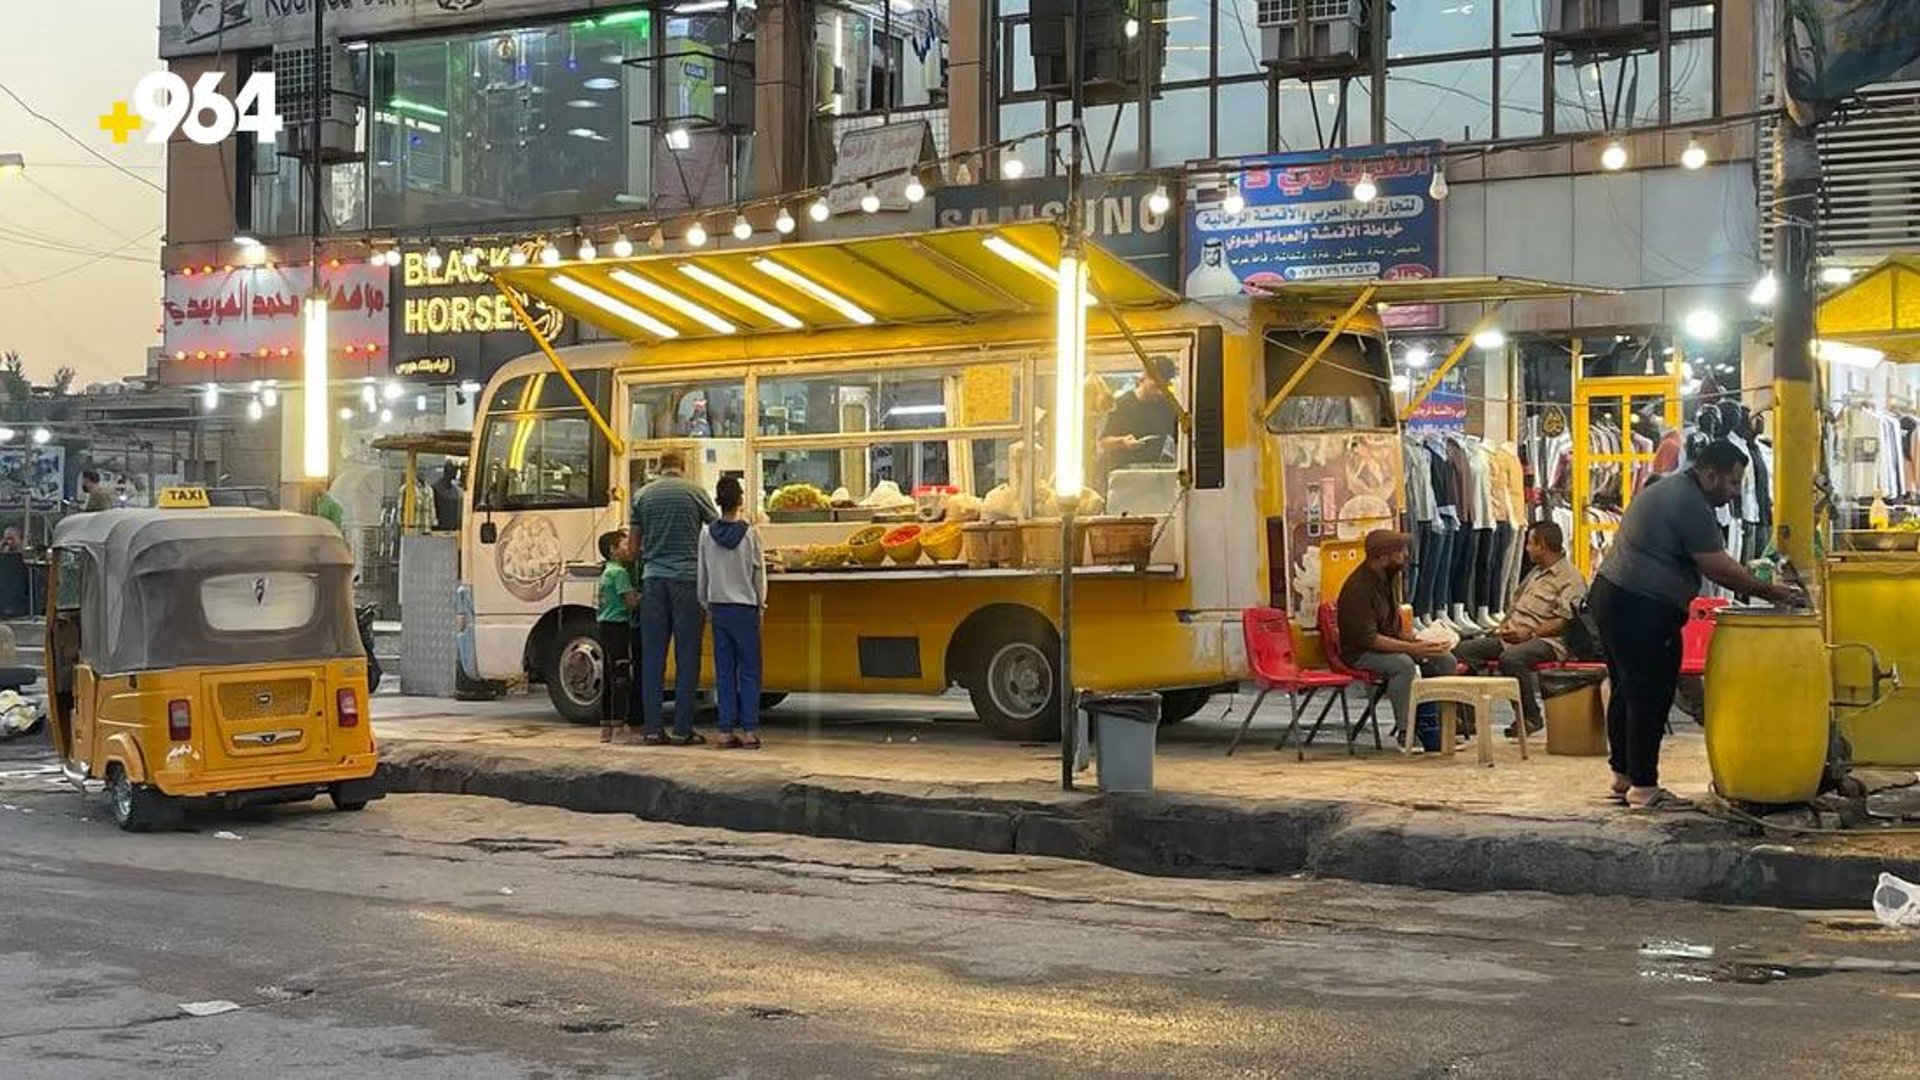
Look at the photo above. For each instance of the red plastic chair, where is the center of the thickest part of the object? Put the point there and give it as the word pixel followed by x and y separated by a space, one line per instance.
pixel 1329 625
pixel 1269 637
pixel 1702 615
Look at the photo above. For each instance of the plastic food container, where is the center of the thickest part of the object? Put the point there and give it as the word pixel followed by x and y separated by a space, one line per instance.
pixel 865 546
pixel 902 545
pixel 943 544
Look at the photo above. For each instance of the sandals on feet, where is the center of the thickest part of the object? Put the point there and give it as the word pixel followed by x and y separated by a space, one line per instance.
pixel 729 741
pixel 691 738
pixel 1660 800
pixel 750 742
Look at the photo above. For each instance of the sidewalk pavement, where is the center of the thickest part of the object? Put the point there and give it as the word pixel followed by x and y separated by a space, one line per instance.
pixel 918 770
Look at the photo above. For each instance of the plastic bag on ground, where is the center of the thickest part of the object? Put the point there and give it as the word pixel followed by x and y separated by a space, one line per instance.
pixel 1896 903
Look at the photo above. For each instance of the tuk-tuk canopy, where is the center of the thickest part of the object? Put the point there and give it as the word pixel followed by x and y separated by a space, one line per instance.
pixel 142 574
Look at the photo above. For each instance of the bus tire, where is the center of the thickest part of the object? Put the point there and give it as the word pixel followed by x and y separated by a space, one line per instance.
pixel 576 672
pixel 1178 705
pixel 1016 688
pixel 771 701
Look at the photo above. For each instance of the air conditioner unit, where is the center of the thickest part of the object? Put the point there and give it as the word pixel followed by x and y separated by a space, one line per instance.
pixel 1312 35
pixel 1115 63
pixel 1588 18
pixel 296 76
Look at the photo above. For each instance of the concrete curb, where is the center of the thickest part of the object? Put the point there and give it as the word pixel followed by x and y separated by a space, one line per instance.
pixel 1679 858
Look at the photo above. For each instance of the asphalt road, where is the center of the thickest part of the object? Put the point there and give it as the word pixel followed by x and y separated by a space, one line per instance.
pixel 455 937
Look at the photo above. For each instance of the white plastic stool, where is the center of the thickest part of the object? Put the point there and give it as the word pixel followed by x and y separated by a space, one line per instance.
pixel 1477 692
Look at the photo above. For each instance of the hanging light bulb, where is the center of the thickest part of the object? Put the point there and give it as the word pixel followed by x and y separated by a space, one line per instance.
pixel 742 228
pixel 369 396
pixel 696 234
pixel 211 396
pixel 1364 189
pixel 622 247
pixel 1417 357
pixel 1012 167
pixel 1694 156
pixel 783 223
pixel 1438 189
pixel 41 436
pixel 393 257
pixel 1159 202
pixel 392 391
pixel 588 252
pixel 1234 203
pixel 434 259
pixel 915 189
pixel 1614 157
pixel 470 258
pixel 820 211
pixel 386 416
pixel 517 257
pixel 255 410
pixel 270 397
pixel 550 255
pixel 420 403
pixel 870 200
pixel 346 413
pixel 1764 290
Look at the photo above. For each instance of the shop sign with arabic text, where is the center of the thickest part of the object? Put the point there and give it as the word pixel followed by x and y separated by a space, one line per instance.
pixel 255 311
pixel 1302 223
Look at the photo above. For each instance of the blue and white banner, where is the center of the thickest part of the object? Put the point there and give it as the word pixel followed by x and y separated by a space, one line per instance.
pixel 1835 47
pixel 1301 222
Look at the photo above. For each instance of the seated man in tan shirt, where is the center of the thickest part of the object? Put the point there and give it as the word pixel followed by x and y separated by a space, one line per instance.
pixel 1536 619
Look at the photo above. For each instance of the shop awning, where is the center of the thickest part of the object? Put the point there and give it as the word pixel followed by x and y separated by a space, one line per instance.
pixel 944 276
pixel 1443 290
pixel 1879 310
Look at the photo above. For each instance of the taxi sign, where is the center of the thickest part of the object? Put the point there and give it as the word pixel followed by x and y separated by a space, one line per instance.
pixel 184 498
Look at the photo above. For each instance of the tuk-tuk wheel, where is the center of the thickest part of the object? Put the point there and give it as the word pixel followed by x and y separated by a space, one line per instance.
pixel 346 806
pixel 136 807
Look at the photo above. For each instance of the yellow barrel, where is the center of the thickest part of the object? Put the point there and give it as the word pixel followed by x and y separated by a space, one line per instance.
pixel 1768 692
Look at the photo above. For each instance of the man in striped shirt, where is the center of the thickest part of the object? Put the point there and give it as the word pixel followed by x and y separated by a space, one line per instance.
pixel 668 515
pixel 1536 619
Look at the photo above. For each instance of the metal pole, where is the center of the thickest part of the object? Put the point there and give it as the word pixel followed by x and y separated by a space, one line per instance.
pixel 1071 247
pixel 1797 438
pixel 314 135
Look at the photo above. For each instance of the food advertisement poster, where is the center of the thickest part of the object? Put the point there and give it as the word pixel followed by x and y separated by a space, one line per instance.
pixel 1340 486
pixel 1302 223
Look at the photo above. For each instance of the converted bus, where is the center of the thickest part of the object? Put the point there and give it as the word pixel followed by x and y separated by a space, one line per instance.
pixel 925 361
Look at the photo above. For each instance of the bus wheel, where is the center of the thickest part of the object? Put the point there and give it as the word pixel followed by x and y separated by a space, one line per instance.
pixel 577 672
pixel 136 807
pixel 1016 692
pixel 1178 705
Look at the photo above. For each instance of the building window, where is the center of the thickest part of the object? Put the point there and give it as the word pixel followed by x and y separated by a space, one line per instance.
pixel 1453 69
pixel 879 56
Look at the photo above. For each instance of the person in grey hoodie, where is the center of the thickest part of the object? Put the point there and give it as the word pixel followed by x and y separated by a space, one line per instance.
pixel 732 583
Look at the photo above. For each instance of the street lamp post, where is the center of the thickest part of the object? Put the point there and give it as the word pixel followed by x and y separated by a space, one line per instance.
pixel 314 459
pixel 1069 372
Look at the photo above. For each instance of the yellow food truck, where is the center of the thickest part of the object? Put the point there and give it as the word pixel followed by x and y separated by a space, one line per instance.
pixel 902 380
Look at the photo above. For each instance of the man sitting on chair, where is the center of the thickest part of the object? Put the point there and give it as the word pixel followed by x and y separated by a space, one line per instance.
pixel 1536 620
pixel 1371 637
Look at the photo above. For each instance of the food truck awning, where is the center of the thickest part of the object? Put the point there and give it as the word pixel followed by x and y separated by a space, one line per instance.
pixel 961 274
pixel 1879 310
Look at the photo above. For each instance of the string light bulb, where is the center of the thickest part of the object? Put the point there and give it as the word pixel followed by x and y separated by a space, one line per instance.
pixel 1614 157
pixel 870 200
pixel 1234 203
pixel 1694 156
pixel 517 257
pixel 1159 202
pixel 434 259
pixel 696 234
pixel 915 189
pixel 742 228
pixel 622 247
pixel 588 252
pixel 1364 189
pixel 1438 189
pixel 783 223
pixel 550 255
pixel 820 211
pixel 470 258
pixel 1013 168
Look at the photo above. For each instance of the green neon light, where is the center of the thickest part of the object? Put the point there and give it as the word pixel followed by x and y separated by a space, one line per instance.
pixel 403 105
pixel 618 18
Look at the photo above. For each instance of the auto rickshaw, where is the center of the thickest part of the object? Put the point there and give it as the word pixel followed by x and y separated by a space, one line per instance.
pixel 207 654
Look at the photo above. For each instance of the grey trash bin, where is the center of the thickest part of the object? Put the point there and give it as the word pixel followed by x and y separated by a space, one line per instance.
pixel 1124 729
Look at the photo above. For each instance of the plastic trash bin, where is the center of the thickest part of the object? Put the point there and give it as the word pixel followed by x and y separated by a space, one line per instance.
pixel 1124 729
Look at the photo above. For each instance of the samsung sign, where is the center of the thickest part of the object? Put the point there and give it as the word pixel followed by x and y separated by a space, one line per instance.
pixel 1115 212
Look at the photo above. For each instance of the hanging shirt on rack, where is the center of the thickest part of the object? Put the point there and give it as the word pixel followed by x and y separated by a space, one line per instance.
pixel 1480 482
pixel 1421 505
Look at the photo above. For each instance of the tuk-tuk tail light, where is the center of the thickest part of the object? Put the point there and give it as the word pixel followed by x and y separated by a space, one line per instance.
pixel 180 720
pixel 348 704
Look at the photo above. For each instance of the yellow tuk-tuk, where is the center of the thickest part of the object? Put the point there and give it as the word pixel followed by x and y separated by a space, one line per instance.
pixel 207 654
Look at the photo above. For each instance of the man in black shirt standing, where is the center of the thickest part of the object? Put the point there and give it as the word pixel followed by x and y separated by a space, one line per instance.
pixel 1144 424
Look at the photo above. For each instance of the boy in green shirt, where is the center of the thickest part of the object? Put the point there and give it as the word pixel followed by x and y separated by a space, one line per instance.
pixel 618 597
